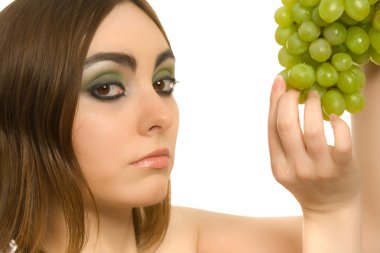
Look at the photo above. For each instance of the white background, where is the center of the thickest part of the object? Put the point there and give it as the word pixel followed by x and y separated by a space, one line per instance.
pixel 226 62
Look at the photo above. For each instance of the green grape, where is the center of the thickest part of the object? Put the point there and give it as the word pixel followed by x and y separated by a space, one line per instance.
pixel 308 31
pixel 347 20
pixel 327 75
pixel 354 102
pixel 317 18
pixel 300 13
pixel 320 50
pixel 305 93
pixel 368 19
pixel 301 76
pixel 324 44
pixel 289 3
pixel 316 87
pixel 341 61
pixel 325 116
pixel 361 59
pixel 365 27
pixel 302 97
pixel 335 33
pixel 306 58
pixel 309 3
pixel 283 33
pixel 376 20
pixel 295 45
pixel 357 9
pixel 357 40
pixel 288 60
pixel 359 76
pixel 347 82
pixel 342 48
pixel 375 57
pixel 283 17
pixel 374 37
pixel 284 73
pixel 331 10
pixel 333 102
pixel 321 90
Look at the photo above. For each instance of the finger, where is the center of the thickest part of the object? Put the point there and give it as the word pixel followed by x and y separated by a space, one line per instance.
pixel 314 136
pixel 277 156
pixel 342 152
pixel 275 147
pixel 288 125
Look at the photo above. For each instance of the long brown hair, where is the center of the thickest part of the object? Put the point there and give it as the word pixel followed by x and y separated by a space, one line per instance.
pixel 43 45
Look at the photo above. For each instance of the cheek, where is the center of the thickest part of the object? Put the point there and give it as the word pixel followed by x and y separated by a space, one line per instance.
pixel 102 146
pixel 103 149
pixel 101 143
pixel 105 142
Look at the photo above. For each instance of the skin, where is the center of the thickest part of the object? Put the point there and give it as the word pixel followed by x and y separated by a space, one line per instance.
pixel 366 140
pixel 108 135
pixel 323 179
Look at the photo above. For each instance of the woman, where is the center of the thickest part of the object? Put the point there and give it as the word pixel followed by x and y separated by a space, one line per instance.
pixel 88 129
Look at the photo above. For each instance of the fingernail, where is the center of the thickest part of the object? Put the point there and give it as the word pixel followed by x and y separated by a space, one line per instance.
pixel 333 118
pixel 278 84
pixel 313 94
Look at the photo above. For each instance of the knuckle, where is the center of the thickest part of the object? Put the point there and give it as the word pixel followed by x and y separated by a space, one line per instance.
pixel 304 174
pixel 326 177
pixel 285 125
pixel 277 176
pixel 343 155
pixel 342 161
pixel 279 172
pixel 303 171
pixel 345 150
pixel 283 179
pixel 312 133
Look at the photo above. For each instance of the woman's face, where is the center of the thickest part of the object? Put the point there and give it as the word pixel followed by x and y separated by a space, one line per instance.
pixel 126 124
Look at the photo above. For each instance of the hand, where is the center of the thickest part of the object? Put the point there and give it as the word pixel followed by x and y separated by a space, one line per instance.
pixel 322 178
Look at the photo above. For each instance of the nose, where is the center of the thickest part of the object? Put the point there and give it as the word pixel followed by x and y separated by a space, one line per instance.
pixel 157 112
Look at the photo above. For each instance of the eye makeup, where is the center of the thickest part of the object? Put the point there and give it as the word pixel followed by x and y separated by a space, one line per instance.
pixel 164 81
pixel 106 86
pixel 107 81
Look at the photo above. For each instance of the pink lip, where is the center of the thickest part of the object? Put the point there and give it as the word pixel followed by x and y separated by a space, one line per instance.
pixel 158 159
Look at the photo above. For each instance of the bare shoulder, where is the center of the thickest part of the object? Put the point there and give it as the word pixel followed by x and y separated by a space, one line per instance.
pixel 182 233
pixel 200 231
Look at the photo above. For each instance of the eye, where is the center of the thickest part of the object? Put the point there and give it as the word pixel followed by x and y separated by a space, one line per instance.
pixel 165 86
pixel 108 91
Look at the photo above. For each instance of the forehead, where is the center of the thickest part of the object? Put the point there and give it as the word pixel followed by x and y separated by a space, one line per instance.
pixel 130 30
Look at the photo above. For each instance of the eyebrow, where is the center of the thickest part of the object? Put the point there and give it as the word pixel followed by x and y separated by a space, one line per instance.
pixel 167 54
pixel 125 59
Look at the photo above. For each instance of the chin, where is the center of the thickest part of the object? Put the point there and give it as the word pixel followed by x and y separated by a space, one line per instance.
pixel 151 191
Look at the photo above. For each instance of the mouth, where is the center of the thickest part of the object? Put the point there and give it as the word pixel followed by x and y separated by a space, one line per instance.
pixel 157 159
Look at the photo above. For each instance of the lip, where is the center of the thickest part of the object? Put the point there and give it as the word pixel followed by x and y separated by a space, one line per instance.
pixel 157 159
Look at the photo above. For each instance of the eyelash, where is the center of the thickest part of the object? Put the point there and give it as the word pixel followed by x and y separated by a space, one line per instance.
pixel 167 90
pixel 94 91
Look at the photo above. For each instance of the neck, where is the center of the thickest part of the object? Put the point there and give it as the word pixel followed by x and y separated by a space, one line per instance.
pixel 112 232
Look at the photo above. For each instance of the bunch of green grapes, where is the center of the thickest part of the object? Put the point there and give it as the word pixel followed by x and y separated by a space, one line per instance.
pixel 324 44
